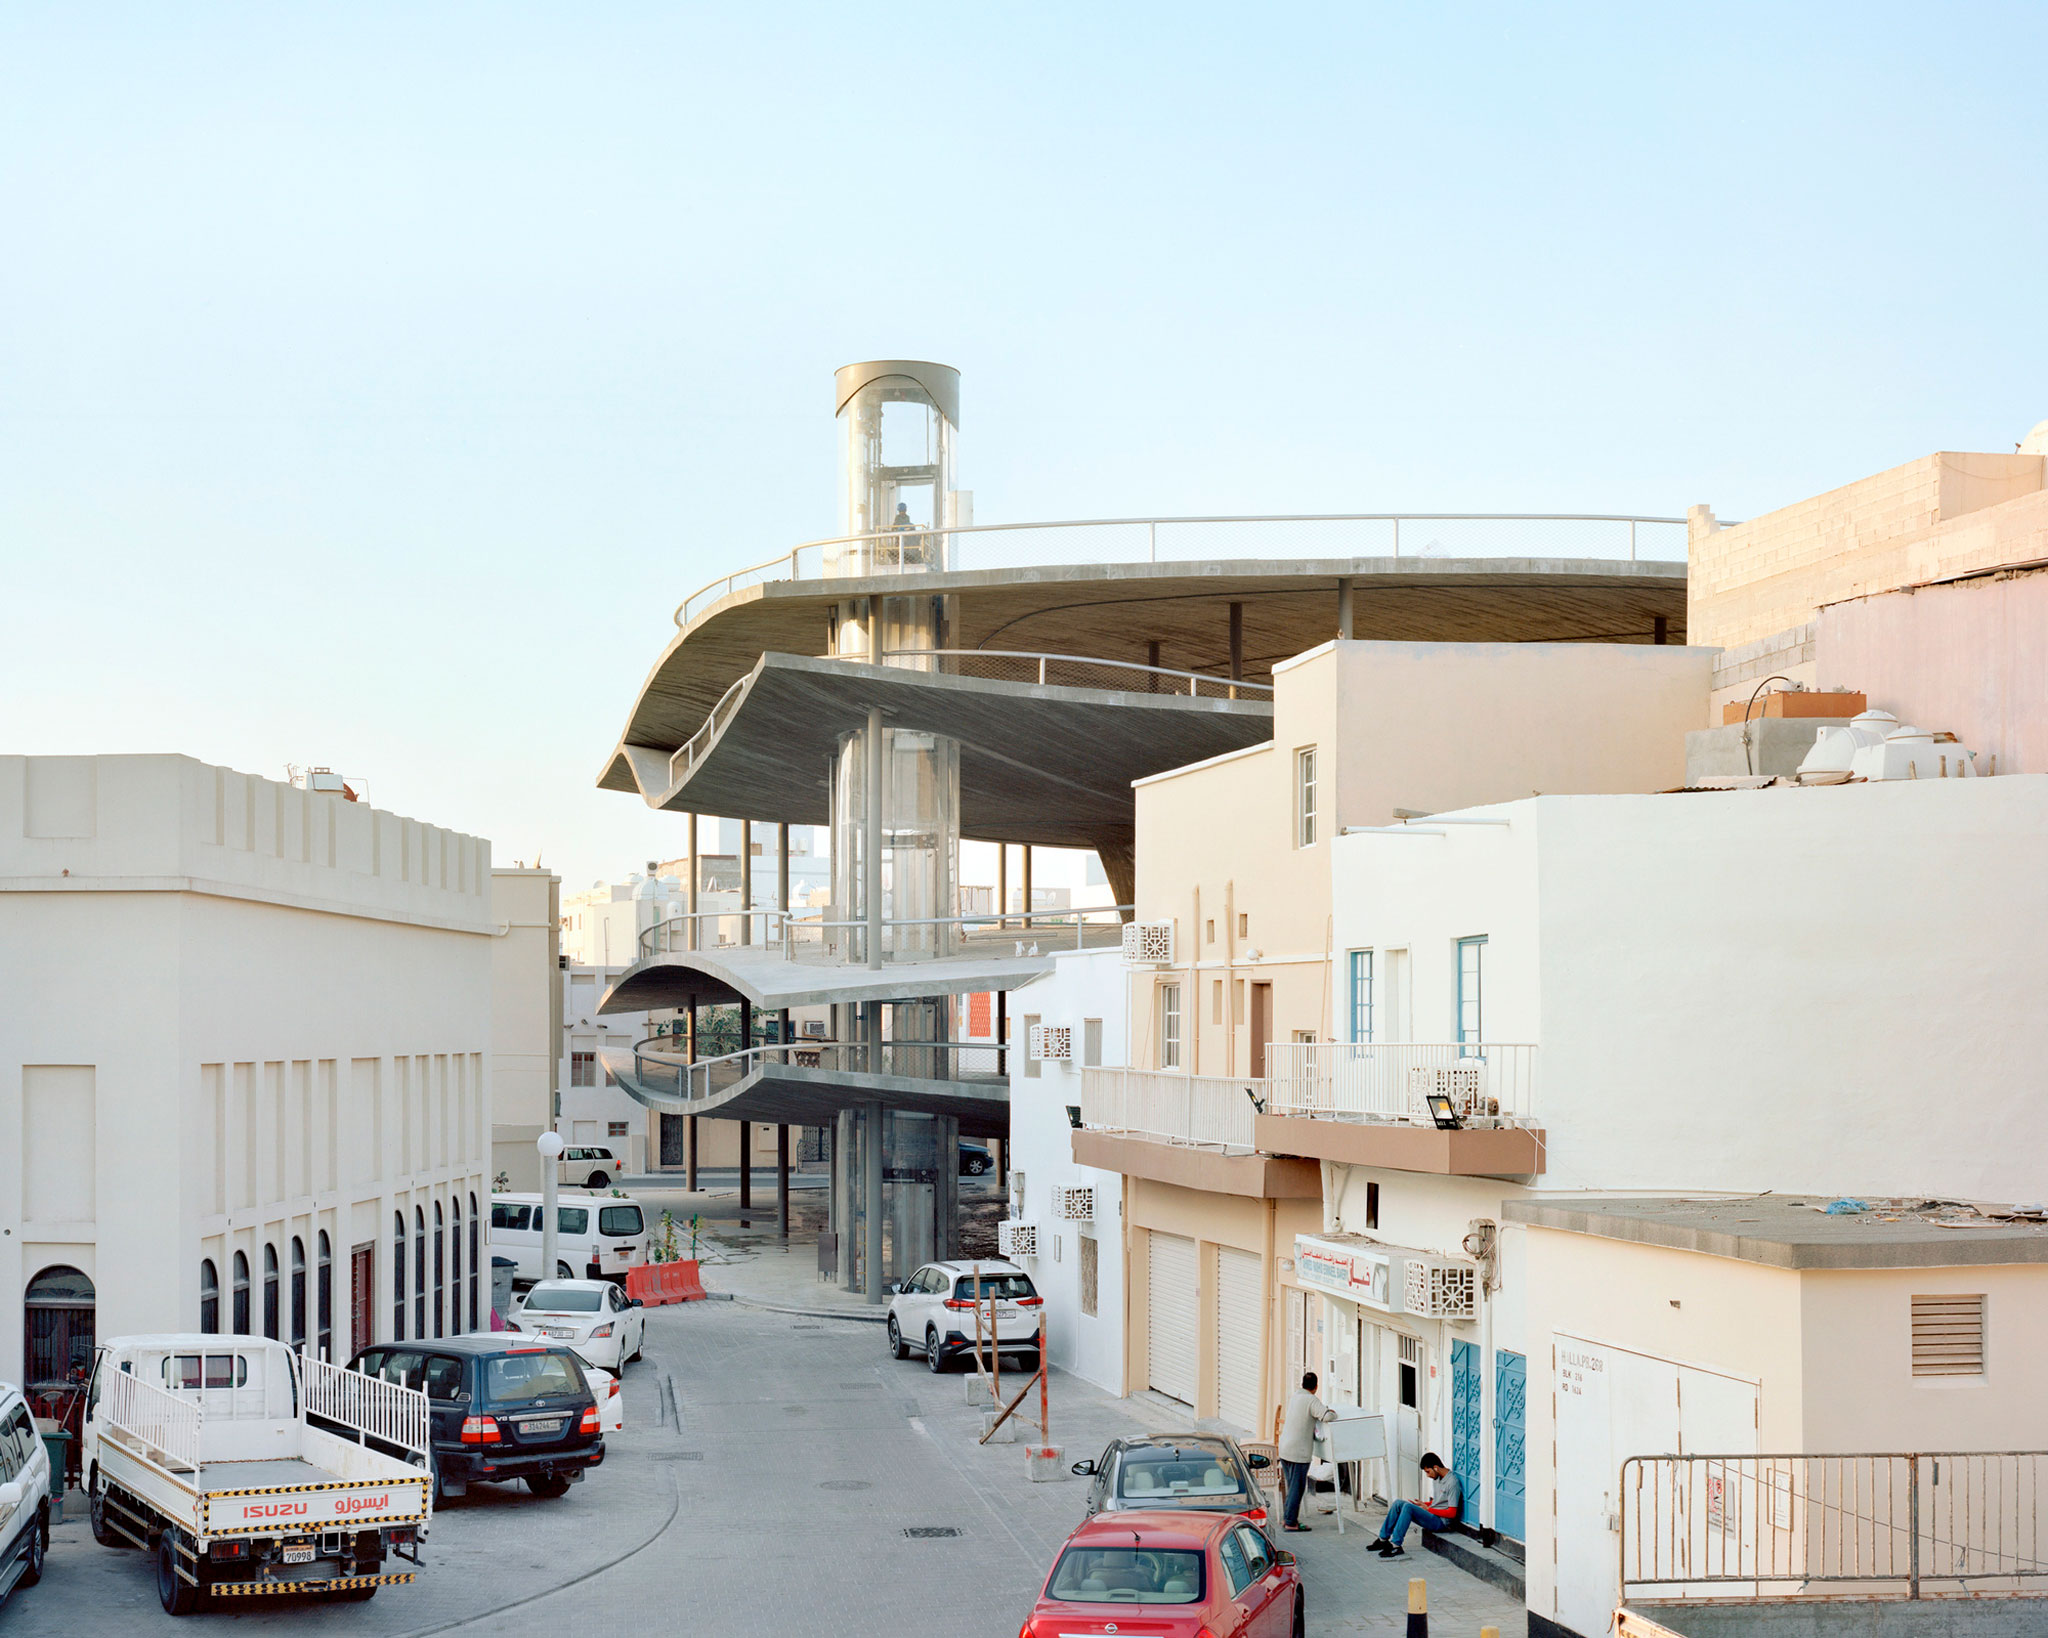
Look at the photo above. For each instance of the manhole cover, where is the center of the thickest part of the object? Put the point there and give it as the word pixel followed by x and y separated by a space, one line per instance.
pixel 929 1532
pixel 846 1484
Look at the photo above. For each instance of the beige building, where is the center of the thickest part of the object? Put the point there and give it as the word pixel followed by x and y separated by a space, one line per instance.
pixel 526 1018
pixel 1234 890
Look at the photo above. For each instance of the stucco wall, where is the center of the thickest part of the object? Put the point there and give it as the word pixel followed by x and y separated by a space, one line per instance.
pixel 526 1018
pixel 1967 656
pixel 203 1007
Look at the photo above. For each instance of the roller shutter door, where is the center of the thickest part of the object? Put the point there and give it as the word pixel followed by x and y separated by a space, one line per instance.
pixel 1240 1286
pixel 1170 1316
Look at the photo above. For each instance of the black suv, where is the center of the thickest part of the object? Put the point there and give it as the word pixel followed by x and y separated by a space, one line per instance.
pixel 504 1406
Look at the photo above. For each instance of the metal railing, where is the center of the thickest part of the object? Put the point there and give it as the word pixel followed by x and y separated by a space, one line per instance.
pixel 1314 536
pixel 386 1411
pixel 164 1423
pixel 682 761
pixel 1210 1111
pixel 661 1066
pixel 1868 1525
pixel 813 936
pixel 1067 671
pixel 1489 1083
pixel 1018 933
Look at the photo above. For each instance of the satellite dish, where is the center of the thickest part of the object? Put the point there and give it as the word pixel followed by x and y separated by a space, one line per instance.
pixel 2036 442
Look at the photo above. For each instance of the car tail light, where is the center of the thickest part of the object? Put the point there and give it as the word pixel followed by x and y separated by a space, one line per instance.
pixel 613 1392
pixel 960 1304
pixel 227 1549
pixel 1256 1514
pixel 589 1422
pixel 602 1331
pixel 401 1537
pixel 480 1430
pixel 1030 1302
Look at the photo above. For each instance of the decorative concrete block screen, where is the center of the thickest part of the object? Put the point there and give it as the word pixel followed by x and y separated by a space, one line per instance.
pixel 1149 943
pixel 1440 1290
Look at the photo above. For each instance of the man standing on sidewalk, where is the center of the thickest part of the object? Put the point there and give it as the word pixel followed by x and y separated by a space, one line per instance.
pixel 1304 1414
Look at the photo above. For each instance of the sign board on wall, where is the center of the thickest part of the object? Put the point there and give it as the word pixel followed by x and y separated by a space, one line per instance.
pixel 1358 1274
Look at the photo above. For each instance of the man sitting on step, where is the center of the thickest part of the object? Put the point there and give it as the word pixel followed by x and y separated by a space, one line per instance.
pixel 1440 1512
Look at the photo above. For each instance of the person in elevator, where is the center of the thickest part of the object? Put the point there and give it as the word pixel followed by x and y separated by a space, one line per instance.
pixel 1440 1512
pixel 1304 1414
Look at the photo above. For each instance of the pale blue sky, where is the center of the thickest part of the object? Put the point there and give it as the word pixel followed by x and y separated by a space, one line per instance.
pixel 374 380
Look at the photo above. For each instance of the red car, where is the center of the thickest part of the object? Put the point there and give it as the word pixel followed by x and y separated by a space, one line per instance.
pixel 1169 1575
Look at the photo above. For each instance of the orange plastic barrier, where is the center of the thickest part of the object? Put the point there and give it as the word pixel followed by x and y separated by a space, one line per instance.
pixel 658 1283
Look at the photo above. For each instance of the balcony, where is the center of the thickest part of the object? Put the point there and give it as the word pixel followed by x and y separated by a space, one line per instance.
pixel 1194 1131
pixel 1369 1104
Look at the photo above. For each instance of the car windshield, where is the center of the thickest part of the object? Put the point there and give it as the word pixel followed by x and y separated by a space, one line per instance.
pixel 531 1376
pixel 1127 1575
pixel 1006 1286
pixel 1166 1475
pixel 563 1299
pixel 619 1220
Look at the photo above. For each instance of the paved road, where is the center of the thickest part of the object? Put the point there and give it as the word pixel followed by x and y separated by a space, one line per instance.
pixel 769 1470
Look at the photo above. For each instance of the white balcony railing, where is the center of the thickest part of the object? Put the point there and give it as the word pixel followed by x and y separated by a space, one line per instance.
pixel 1187 540
pixel 1489 1083
pixel 1207 1110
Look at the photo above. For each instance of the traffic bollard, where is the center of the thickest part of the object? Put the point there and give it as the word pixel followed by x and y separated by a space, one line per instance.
pixel 1418 1607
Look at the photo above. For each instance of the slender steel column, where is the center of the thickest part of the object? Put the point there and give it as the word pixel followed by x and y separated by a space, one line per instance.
pixel 782 1177
pixel 746 883
pixel 1344 607
pixel 871 860
pixel 871 1168
pixel 843 1146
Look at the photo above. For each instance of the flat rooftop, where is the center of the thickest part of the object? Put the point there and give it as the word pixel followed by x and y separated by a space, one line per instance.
pixel 1796 1231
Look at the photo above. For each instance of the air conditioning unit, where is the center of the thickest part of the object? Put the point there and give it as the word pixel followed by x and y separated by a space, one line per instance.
pixel 1148 943
pixel 1438 1288
pixel 1463 1085
pixel 1052 1043
pixel 1015 1239
pixel 1074 1205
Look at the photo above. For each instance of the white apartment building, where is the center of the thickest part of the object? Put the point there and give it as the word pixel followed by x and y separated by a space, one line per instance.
pixel 1631 1003
pixel 277 1120
pixel 1069 1215
pixel 594 1108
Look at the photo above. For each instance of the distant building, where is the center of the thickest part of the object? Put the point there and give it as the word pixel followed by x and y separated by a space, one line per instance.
pixel 280 1123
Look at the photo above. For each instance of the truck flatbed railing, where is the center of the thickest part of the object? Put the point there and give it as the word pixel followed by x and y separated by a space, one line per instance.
pixel 368 1405
pixel 163 1426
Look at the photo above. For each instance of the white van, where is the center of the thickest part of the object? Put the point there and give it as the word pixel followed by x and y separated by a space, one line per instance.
pixel 599 1236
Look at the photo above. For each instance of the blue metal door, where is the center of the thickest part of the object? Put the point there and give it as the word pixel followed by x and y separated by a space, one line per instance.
pixel 1465 1426
pixel 1510 1417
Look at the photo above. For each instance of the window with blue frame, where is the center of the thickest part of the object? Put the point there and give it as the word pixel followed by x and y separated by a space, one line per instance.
pixel 1471 1013
pixel 1361 995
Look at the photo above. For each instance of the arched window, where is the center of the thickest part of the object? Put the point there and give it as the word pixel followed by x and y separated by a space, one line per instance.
pixel 440 1274
pixel 270 1292
pixel 475 1263
pixel 241 1294
pixel 455 1266
pixel 298 1294
pixel 323 1317
pixel 209 1296
pixel 57 1310
pixel 419 1273
pixel 398 1276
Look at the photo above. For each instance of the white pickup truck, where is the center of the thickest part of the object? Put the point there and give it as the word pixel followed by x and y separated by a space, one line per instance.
pixel 248 1469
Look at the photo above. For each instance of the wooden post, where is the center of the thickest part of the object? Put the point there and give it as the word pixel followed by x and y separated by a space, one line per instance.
pixel 1044 1409
pixel 995 1339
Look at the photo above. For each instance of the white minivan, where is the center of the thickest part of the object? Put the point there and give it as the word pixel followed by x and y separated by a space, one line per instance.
pixel 24 1495
pixel 599 1236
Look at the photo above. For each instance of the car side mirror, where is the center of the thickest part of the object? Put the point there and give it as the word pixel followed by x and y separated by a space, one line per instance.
pixel 1085 1469
pixel 635 1302
pixel 1254 1460
pixel 1282 1556
pixel 10 1496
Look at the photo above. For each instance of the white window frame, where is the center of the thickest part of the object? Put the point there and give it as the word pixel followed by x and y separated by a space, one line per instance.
pixel 1169 1026
pixel 1305 796
pixel 1360 967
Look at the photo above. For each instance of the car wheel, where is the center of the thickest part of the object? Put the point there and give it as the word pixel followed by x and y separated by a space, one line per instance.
pixel 38 1545
pixel 934 1360
pixel 597 1180
pixel 103 1532
pixel 976 1166
pixel 177 1595
pixel 896 1348
pixel 548 1485
pixel 1300 1617
pixel 1027 1362
pixel 564 1272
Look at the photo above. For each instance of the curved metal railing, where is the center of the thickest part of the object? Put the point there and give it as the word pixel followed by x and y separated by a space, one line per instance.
pixel 1070 671
pixel 813 937
pixel 1182 540
pixel 660 1066
pixel 720 930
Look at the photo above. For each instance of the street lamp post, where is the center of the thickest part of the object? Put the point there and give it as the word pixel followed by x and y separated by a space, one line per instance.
pixel 550 1146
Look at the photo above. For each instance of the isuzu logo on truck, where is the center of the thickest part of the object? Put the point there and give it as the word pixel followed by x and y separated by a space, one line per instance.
pixel 362 1504
pixel 272 1510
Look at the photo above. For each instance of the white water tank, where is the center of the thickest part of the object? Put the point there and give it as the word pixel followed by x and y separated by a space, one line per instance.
pixel 1876 745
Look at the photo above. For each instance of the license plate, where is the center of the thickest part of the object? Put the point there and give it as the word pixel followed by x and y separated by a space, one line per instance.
pixel 298 1554
pixel 550 1424
pixel 555 1331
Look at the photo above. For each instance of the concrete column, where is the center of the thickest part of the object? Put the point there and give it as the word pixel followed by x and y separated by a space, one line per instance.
pixel 746 885
pixel 782 1177
pixel 1344 608
pixel 871 861
pixel 871 1190
pixel 843 1157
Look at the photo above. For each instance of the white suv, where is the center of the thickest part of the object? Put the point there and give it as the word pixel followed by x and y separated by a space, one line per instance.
pixel 584 1168
pixel 934 1312
pixel 24 1495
